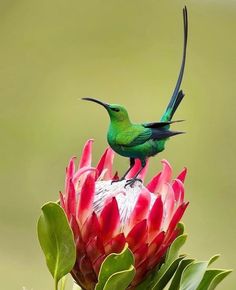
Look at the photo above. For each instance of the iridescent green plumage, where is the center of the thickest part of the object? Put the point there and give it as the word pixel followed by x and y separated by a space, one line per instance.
pixel 140 141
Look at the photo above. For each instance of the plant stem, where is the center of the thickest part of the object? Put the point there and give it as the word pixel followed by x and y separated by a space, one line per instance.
pixel 55 285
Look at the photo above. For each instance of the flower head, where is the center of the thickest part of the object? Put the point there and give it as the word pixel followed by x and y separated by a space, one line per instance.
pixel 105 215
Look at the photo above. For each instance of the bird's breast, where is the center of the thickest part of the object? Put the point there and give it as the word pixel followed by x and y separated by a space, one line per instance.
pixel 111 139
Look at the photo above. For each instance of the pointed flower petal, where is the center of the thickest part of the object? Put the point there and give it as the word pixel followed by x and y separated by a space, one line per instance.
pixel 165 176
pixel 104 166
pixel 116 244
pixel 155 217
pixel 138 235
pixel 178 188
pixel 176 218
pixel 153 184
pixel 141 254
pixel 91 228
pixel 70 171
pixel 95 249
pixel 182 175
pixel 156 244
pixel 71 199
pixel 85 199
pixel 86 157
pixel 110 220
pixel 141 208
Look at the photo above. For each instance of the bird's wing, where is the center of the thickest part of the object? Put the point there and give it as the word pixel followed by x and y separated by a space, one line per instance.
pixel 133 136
pixel 140 134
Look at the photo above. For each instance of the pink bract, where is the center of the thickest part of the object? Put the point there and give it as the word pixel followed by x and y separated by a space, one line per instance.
pixel 105 216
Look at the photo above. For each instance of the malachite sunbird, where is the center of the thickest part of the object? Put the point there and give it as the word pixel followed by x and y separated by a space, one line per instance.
pixel 140 141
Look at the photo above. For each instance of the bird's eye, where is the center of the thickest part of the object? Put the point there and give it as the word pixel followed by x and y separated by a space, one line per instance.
pixel 115 109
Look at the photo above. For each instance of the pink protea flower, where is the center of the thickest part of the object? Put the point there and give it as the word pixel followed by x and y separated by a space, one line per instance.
pixel 104 215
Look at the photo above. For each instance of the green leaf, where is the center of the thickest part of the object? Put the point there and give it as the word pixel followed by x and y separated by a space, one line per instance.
pixel 213 259
pixel 56 240
pixel 173 252
pixel 212 278
pixel 176 279
pixel 120 280
pixel 219 278
pixel 114 267
pixel 192 275
pixel 171 256
pixel 167 275
pixel 207 278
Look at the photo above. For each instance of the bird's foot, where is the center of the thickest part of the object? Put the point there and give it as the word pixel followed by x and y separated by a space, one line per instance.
pixel 130 182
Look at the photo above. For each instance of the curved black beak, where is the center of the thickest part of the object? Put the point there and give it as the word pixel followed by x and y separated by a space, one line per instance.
pixel 105 105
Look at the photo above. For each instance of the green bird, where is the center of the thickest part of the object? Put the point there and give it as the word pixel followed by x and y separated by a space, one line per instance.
pixel 140 141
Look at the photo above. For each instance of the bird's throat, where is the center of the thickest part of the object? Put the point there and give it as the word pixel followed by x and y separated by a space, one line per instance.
pixel 116 124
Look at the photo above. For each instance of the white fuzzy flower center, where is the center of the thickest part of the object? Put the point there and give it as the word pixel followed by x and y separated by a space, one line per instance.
pixel 126 197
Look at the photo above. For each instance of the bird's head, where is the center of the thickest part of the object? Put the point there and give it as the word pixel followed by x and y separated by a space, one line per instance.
pixel 116 112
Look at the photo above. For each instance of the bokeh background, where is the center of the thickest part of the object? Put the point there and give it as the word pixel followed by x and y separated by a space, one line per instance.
pixel 52 53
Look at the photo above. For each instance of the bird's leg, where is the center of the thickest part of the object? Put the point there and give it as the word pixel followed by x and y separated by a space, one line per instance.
pixel 132 162
pixel 132 181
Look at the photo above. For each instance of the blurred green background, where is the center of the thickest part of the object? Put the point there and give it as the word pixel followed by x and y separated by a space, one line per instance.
pixel 52 53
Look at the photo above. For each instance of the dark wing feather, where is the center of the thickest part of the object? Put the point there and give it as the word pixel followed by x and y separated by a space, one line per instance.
pixel 158 125
pixel 159 134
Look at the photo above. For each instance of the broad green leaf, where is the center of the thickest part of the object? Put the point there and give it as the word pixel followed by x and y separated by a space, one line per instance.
pixel 168 274
pixel 171 255
pixel 192 275
pixel 113 264
pixel 212 278
pixel 218 279
pixel 120 280
pixel 176 279
pixel 173 252
pixel 56 240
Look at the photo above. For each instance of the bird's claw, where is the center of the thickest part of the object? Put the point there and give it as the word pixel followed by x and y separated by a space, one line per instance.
pixel 130 182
